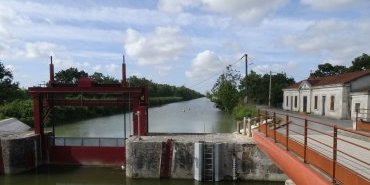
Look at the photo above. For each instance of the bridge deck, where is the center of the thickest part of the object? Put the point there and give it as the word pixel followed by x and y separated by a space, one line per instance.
pixel 342 154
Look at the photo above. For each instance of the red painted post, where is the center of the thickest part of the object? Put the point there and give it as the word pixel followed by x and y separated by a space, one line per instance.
pixel 305 141
pixel 266 122
pixel 287 132
pixel 274 122
pixel 51 71
pixel 335 134
pixel 36 114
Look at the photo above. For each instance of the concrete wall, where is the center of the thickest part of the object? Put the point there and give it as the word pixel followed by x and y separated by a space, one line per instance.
pixel 144 161
pixel 20 153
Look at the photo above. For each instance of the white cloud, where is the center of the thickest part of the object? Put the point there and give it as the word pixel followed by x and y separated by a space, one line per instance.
pixel 251 10
pixel 111 67
pixel 172 6
pixel 275 68
pixel 332 40
pixel 204 65
pixel 163 70
pixel 331 4
pixel 164 44
pixel 39 49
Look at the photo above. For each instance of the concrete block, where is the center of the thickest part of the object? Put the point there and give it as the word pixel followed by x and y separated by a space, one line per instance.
pixel 143 159
pixel 20 153
pixel 182 160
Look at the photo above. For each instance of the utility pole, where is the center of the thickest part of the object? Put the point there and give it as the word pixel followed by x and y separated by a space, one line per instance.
pixel 246 76
pixel 270 91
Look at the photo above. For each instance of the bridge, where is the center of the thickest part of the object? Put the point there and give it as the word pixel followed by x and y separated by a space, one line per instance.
pixel 314 152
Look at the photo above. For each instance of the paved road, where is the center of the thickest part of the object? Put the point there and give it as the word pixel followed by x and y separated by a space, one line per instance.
pixel 296 132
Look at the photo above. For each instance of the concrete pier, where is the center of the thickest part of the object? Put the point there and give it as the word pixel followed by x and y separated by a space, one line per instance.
pixel 172 156
pixel 19 147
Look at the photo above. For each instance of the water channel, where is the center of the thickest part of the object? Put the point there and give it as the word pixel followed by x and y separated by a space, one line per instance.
pixel 195 116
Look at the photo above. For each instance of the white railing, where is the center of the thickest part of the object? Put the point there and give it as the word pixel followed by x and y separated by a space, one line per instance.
pixel 87 141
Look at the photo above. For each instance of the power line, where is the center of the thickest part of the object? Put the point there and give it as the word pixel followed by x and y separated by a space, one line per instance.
pixel 216 74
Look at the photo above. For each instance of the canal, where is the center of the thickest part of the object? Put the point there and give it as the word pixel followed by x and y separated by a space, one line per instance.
pixel 195 116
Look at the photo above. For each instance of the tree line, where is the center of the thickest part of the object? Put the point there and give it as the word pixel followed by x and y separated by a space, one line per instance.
pixel 15 102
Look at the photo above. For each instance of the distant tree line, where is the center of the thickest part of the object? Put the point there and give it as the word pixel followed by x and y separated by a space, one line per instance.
pixel 15 102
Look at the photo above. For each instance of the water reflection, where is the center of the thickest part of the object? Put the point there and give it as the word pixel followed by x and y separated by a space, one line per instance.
pixel 75 175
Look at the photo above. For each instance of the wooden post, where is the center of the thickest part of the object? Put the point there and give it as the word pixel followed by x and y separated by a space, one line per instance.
pixel 249 128
pixel 335 134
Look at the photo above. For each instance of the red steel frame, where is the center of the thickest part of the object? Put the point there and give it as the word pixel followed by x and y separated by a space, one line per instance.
pixel 54 94
pixel 331 167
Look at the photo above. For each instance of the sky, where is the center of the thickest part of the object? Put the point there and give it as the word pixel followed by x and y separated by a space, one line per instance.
pixel 180 42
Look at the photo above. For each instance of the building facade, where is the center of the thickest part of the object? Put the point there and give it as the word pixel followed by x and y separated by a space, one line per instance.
pixel 335 96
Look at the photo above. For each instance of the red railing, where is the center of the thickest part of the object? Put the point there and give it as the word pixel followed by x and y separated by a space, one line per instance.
pixel 330 148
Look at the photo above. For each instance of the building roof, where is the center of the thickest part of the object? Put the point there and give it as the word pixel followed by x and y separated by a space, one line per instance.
pixel 331 80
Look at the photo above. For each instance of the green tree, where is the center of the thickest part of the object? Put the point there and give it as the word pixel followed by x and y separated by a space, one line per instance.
pixel 100 78
pixel 69 76
pixel 360 63
pixel 9 90
pixel 258 87
pixel 225 90
pixel 329 70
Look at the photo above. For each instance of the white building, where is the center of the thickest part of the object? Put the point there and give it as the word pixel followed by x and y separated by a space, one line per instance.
pixel 334 96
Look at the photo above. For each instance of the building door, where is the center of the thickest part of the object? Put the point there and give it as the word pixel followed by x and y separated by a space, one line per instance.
pixel 291 103
pixel 304 103
pixel 323 105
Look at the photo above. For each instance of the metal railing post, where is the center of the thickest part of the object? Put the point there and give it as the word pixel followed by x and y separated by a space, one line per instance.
pixel 249 127
pixel 274 122
pixel 335 134
pixel 287 132
pixel 266 123
pixel 305 141
pixel 259 121
pixel 244 125
pixel 356 121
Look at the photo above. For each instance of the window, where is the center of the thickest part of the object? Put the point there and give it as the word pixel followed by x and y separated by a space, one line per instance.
pixel 357 107
pixel 295 101
pixel 315 105
pixel 287 98
pixel 332 102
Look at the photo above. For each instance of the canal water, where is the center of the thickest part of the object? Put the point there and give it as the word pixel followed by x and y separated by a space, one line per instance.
pixel 195 116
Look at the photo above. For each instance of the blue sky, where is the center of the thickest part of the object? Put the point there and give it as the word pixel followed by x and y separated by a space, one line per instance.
pixel 180 42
